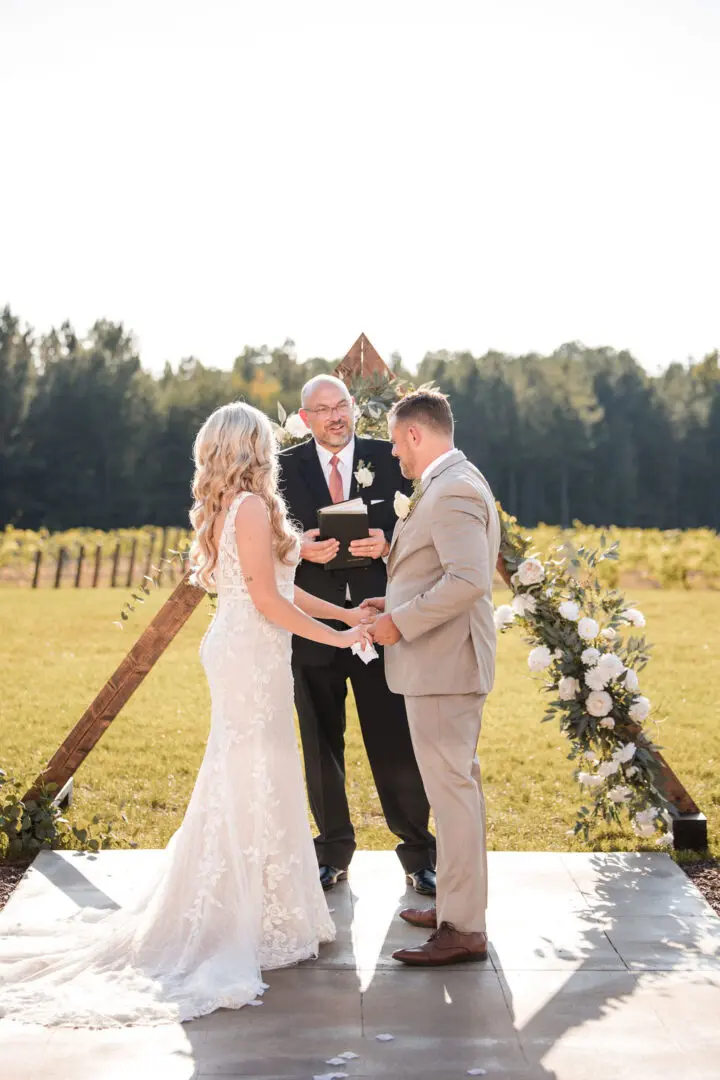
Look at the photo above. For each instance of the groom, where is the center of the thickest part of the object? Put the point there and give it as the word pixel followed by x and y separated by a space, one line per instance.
pixel 439 635
pixel 325 469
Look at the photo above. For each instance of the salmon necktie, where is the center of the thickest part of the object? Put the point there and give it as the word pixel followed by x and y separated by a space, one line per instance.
pixel 336 484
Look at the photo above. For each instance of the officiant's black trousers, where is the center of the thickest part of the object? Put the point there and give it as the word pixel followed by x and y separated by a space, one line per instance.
pixel 320 693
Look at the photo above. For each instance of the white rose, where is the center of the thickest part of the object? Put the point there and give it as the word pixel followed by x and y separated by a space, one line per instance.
pixel 632 615
pixel 639 710
pixel 296 426
pixel 644 831
pixel 608 768
pixel 631 771
pixel 570 610
pixel 644 822
pixel 503 616
pixel 539 658
pixel 568 688
pixel 595 679
pixel 588 629
pixel 589 780
pixel 625 754
pixel 530 572
pixel 590 656
pixel 607 722
pixel 524 604
pixel 632 682
pixel 364 476
pixel 619 794
pixel 608 633
pixel 401 505
pixel 611 665
pixel 599 703
pixel 590 755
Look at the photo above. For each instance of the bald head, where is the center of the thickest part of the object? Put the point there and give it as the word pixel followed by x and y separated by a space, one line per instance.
pixel 322 382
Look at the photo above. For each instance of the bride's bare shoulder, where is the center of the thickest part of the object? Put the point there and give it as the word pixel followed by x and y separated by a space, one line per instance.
pixel 251 513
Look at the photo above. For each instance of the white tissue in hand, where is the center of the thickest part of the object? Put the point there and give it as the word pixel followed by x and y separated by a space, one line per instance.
pixel 365 652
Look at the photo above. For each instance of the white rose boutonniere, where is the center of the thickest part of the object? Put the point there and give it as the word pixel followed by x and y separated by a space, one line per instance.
pixel 364 474
pixel 401 505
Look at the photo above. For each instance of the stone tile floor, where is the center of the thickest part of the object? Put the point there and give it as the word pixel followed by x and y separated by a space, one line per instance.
pixel 601 965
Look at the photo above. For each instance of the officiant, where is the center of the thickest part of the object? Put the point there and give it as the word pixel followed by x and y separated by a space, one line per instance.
pixel 332 466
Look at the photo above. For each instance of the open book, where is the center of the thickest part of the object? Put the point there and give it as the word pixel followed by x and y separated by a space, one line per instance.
pixel 344 521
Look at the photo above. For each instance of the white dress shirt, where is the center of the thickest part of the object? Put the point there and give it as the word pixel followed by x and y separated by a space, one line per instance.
pixel 434 464
pixel 345 464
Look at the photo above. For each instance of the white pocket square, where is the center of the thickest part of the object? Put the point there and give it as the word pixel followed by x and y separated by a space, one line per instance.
pixel 374 502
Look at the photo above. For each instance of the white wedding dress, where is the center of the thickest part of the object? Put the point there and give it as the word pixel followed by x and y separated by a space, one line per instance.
pixel 238 888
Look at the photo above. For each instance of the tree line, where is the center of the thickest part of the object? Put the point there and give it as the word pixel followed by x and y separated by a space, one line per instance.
pixel 90 438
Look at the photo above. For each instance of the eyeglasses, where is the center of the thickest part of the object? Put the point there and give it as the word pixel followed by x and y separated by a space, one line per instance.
pixel 324 411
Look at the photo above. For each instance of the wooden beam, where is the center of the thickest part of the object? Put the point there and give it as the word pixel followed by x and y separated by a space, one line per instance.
pixel 362 359
pixel 689 826
pixel 120 687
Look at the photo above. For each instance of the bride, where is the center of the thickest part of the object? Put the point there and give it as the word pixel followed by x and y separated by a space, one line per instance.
pixel 238 889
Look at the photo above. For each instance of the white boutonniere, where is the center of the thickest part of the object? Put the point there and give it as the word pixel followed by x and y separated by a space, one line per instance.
pixel 401 505
pixel 404 505
pixel 364 474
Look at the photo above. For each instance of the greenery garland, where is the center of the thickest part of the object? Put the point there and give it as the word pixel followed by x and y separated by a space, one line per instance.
pixel 576 629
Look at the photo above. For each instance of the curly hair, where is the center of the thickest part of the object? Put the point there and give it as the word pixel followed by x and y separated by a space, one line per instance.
pixel 234 451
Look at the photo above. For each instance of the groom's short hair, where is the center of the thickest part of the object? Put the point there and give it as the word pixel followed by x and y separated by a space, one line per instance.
pixel 428 407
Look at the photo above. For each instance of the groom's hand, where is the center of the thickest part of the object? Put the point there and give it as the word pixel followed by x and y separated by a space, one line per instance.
pixel 384 631
pixel 375 604
pixel 318 551
pixel 373 546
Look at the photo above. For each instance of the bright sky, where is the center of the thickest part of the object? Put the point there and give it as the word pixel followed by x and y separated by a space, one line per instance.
pixel 450 174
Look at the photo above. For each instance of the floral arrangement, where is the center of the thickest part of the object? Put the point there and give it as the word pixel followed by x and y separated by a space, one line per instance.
pixel 577 632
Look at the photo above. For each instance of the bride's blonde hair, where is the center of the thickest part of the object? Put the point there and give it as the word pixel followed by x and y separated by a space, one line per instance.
pixel 234 451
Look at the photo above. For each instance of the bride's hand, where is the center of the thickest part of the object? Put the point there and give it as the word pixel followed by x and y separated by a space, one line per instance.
pixel 359 633
pixel 357 615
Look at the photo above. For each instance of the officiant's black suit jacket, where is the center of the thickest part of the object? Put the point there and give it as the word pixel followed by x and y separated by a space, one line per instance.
pixel 305 490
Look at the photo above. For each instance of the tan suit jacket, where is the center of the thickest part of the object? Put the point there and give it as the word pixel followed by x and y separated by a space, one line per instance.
pixel 440 575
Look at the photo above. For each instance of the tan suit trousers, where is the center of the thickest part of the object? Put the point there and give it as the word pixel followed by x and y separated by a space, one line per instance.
pixel 445 731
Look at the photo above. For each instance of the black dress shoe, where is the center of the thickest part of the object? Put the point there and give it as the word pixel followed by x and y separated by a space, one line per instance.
pixel 422 881
pixel 330 875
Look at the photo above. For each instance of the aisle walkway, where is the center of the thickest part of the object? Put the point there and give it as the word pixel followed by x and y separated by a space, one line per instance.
pixel 601 966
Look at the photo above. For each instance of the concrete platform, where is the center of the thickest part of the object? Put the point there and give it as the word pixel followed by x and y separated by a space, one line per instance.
pixel 601 965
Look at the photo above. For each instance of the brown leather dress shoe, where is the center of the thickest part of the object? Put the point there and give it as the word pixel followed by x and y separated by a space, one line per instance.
pixel 425 917
pixel 446 946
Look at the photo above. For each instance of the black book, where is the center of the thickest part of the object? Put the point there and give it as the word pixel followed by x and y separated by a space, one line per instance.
pixel 344 521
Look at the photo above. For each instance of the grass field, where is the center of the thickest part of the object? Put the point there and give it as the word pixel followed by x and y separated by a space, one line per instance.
pixel 57 649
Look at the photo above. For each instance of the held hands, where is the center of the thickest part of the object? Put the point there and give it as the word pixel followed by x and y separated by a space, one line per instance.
pixel 360 633
pixel 383 629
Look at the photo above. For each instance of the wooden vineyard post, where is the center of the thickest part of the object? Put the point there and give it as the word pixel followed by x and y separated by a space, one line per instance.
pixel 115 563
pixel 120 687
pixel 36 571
pixel 78 572
pixel 96 568
pixel 59 568
pixel 131 567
